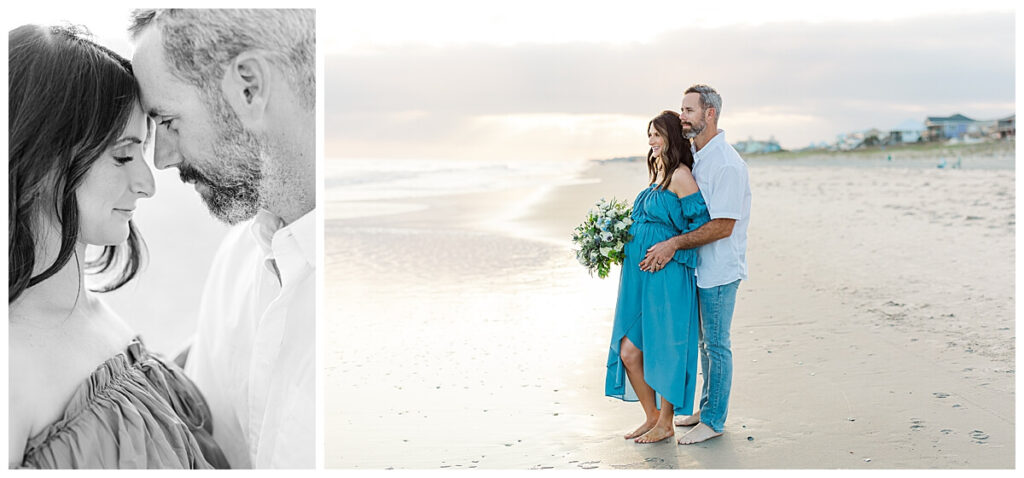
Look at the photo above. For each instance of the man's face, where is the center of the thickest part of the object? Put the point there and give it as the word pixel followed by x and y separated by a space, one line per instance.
pixel 202 138
pixel 691 116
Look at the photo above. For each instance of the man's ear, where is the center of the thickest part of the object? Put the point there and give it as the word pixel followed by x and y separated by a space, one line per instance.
pixel 246 87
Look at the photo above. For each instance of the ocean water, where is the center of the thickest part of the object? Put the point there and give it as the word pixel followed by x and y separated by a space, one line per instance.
pixel 372 187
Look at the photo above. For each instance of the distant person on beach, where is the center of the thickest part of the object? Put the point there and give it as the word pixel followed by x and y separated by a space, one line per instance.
pixel 653 353
pixel 722 178
pixel 233 93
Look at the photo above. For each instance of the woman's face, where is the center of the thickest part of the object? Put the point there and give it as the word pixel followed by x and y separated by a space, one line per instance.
pixel 657 142
pixel 107 196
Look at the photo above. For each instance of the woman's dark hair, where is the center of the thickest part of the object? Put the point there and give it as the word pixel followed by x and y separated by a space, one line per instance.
pixel 69 99
pixel 676 152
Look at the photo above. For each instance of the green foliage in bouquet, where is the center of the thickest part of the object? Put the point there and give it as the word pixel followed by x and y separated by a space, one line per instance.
pixel 600 241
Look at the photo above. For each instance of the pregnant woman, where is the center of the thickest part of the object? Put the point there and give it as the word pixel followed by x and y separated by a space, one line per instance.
pixel 84 391
pixel 653 352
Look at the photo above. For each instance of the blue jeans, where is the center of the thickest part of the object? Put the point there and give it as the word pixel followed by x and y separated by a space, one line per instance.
pixel 716 307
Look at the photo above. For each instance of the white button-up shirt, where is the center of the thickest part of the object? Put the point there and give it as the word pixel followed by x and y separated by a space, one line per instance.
pixel 254 351
pixel 722 177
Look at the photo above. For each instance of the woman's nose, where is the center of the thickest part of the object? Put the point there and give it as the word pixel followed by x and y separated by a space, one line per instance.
pixel 142 179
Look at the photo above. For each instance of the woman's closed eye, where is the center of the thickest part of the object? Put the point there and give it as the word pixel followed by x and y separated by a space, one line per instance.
pixel 121 160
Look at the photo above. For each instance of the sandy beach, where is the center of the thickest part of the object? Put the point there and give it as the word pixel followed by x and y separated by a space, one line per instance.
pixel 876 329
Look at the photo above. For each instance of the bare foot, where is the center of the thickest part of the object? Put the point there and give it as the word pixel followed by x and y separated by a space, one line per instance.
pixel 688 421
pixel 656 434
pixel 649 424
pixel 699 433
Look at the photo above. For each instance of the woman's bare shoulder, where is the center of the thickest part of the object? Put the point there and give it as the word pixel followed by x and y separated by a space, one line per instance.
pixel 49 358
pixel 683 183
pixel 28 395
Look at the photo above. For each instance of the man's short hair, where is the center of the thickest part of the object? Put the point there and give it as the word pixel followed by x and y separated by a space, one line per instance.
pixel 199 43
pixel 709 98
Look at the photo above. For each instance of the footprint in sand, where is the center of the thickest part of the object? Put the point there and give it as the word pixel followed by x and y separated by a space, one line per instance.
pixel 946 431
pixel 917 424
pixel 650 463
pixel 979 437
pixel 940 394
pixel 657 463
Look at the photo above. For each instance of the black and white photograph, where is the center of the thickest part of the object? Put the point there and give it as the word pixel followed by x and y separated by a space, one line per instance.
pixel 162 238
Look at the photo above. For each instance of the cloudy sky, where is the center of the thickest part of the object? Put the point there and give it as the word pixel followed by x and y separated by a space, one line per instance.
pixel 549 80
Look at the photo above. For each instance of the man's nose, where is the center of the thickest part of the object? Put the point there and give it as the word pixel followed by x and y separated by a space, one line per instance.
pixel 165 151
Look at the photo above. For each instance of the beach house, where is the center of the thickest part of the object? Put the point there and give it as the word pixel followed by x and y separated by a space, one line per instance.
pixel 949 127
pixel 756 146
pixel 909 131
pixel 1007 127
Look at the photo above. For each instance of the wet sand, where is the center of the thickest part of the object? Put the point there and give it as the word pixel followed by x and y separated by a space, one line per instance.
pixel 876 329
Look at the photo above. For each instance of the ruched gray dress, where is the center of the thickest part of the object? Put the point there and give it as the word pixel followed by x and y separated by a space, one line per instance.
pixel 135 411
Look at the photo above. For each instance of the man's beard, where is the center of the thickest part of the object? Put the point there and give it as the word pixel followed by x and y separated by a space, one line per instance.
pixel 233 191
pixel 694 130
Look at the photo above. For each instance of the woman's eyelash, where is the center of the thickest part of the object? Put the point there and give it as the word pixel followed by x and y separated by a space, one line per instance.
pixel 166 122
pixel 122 159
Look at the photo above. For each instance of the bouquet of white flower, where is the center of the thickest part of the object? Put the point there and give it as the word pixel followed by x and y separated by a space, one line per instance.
pixel 600 240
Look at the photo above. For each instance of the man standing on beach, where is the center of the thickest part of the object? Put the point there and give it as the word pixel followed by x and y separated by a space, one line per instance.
pixel 233 95
pixel 722 177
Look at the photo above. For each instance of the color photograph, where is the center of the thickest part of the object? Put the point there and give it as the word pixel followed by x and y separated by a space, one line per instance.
pixel 654 235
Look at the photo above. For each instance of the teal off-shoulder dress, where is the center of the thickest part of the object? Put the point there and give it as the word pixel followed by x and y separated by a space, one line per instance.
pixel 136 410
pixel 658 311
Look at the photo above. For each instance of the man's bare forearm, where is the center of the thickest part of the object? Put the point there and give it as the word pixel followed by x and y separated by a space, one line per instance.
pixel 710 232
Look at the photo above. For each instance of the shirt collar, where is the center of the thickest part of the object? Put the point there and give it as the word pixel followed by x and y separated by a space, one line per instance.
pixel 266 227
pixel 304 232
pixel 285 248
pixel 715 141
pixel 263 228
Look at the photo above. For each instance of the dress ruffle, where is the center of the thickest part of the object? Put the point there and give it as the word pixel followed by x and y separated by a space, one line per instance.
pixel 134 411
pixel 693 213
